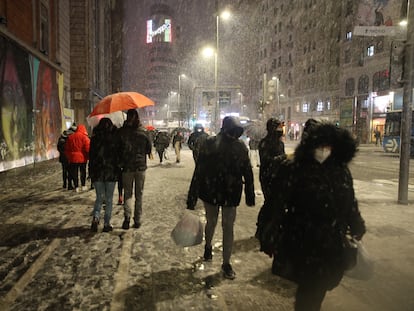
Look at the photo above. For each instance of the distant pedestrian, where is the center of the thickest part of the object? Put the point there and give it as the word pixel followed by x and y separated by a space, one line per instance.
pixel 196 140
pixel 378 139
pixel 254 150
pixel 134 147
pixel 103 170
pixel 313 207
pixel 177 142
pixel 66 177
pixel 161 143
pixel 272 153
pixel 222 168
pixel 77 153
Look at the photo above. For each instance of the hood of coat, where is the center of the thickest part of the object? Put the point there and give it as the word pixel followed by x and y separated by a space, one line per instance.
pixel 232 127
pixel 82 129
pixel 343 145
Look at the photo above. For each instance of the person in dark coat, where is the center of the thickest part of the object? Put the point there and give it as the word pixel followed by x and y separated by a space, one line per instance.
pixel 161 142
pixel 272 153
pixel 222 168
pixel 134 148
pixel 314 207
pixel 66 177
pixel 103 170
pixel 196 140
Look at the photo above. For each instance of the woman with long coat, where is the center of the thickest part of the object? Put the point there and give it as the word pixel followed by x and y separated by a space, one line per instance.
pixel 103 170
pixel 315 207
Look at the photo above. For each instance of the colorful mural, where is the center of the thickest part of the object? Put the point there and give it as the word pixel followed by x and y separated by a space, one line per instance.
pixel 30 109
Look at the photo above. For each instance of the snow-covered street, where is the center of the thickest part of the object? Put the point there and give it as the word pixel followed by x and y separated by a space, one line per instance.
pixel 49 259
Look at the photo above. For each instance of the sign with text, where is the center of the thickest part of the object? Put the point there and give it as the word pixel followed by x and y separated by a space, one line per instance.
pixel 376 31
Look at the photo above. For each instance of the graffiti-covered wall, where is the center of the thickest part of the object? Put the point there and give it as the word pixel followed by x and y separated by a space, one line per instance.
pixel 30 108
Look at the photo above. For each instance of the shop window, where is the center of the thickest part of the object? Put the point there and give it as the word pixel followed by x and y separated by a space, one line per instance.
pixel 349 87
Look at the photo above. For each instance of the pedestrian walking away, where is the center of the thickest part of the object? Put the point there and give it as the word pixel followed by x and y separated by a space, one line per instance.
pixel 66 176
pixel 177 143
pixel 161 143
pixel 313 208
pixel 196 140
pixel 77 153
pixel 222 168
pixel 134 148
pixel 272 153
pixel 103 170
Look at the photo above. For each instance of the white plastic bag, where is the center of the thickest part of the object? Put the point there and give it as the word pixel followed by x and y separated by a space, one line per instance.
pixel 364 268
pixel 188 231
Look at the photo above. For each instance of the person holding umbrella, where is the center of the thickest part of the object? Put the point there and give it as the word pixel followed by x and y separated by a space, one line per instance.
pixel 134 147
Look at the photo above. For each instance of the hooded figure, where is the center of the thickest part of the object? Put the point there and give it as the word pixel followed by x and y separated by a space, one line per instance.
pixel 272 153
pixel 314 207
pixel 222 168
pixel 77 152
pixel 196 140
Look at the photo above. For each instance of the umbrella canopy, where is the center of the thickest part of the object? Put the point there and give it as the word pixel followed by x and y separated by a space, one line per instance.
pixel 118 118
pixel 121 101
pixel 255 130
pixel 150 128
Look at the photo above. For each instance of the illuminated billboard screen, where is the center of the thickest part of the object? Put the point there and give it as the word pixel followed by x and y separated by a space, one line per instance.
pixel 159 30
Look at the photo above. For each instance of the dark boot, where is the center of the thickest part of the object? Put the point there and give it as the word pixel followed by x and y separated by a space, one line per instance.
pixel 137 223
pixel 208 253
pixel 125 224
pixel 94 225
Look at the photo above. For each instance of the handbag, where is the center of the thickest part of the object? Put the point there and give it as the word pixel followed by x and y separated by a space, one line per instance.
pixel 364 267
pixel 188 231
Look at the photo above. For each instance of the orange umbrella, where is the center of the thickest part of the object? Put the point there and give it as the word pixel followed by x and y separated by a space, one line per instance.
pixel 121 101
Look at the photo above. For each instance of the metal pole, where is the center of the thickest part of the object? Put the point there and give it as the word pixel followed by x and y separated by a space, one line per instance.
pixel 178 100
pixel 406 117
pixel 278 98
pixel 217 106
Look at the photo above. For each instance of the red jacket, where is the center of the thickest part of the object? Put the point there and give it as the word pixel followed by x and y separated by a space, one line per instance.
pixel 77 146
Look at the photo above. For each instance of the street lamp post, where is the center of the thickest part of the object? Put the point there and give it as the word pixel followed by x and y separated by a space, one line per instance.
pixel 179 98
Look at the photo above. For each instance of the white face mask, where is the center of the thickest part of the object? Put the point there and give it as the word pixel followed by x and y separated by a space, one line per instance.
pixel 322 153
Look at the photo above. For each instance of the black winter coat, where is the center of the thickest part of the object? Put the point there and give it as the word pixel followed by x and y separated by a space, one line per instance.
pixel 220 172
pixel 134 147
pixel 103 157
pixel 271 153
pixel 315 206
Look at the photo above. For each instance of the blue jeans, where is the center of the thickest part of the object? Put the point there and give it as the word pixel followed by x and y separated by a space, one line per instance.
pixel 129 179
pixel 104 191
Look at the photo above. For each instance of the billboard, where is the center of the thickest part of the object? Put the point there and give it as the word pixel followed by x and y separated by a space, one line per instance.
pixel 30 108
pixel 159 30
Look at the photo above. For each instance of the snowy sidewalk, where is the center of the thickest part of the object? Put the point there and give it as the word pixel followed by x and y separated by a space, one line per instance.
pixel 50 259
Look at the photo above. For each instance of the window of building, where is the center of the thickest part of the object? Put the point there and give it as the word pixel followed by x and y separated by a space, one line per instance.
pixel 347 58
pixel 319 106
pixel 44 28
pixel 380 81
pixel 370 50
pixel 363 84
pixel 305 107
pixel 349 87
pixel 328 105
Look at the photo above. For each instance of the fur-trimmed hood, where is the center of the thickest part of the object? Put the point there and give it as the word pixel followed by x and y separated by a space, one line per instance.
pixel 343 144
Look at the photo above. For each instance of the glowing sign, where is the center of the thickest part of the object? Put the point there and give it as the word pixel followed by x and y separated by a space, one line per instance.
pixel 163 29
